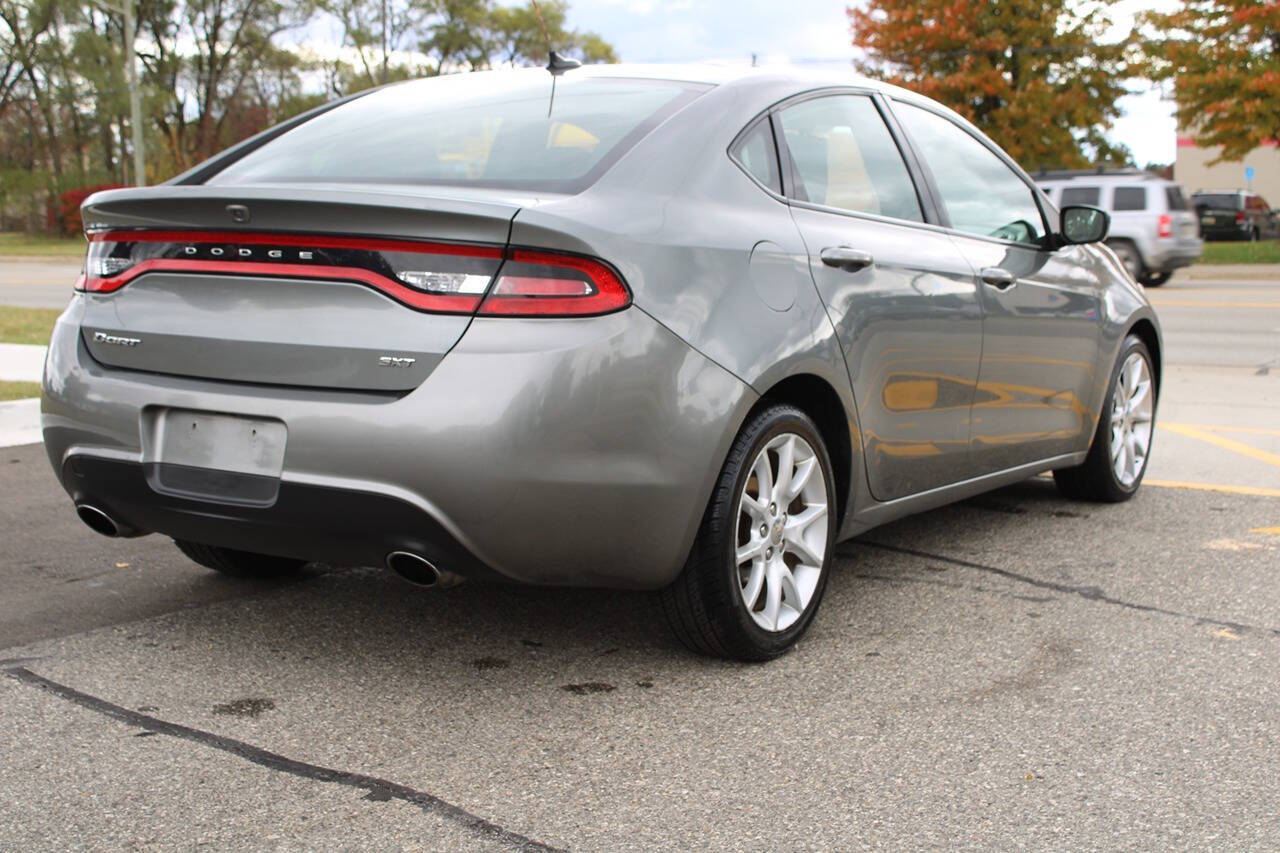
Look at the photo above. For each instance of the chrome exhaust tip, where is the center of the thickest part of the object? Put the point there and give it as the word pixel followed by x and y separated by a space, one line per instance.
pixel 98 521
pixel 416 569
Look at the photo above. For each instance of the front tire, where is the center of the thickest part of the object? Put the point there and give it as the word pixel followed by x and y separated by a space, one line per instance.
pixel 239 564
pixel 759 565
pixel 1117 460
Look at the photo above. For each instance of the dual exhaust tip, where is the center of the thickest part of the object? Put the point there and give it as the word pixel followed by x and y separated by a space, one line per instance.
pixel 414 568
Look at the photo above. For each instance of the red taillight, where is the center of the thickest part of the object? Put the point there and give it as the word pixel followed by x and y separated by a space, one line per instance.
pixel 1239 217
pixel 544 284
pixel 1165 226
pixel 434 277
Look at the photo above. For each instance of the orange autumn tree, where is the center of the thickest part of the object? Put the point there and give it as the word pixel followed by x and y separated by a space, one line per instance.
pixel 1031 74
pixel 1224 59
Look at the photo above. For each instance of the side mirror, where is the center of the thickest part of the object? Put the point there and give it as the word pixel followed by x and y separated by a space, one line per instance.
pixel 1081 224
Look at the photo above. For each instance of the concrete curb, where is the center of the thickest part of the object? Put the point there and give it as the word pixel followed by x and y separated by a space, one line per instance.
pixel 20 423
pixel 21 362
pixel 1230 272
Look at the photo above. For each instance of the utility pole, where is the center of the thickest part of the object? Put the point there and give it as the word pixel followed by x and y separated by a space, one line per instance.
pixel 128 9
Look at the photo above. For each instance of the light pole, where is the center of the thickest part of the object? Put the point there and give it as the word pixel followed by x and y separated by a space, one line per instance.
pixel 127 9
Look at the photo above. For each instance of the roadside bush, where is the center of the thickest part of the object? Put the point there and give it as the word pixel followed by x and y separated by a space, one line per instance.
pixel 69 206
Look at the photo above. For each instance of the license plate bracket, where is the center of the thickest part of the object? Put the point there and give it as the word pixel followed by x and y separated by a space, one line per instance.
pixel 213 456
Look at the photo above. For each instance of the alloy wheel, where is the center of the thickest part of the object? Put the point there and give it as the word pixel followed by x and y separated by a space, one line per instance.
pixel 1132 410
pixel 781 543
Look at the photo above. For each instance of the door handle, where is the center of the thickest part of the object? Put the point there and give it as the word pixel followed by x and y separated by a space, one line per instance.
pixel 847 259
pixel 998 278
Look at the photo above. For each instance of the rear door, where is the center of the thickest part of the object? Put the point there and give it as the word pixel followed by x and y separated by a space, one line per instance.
pixel 1040 307
pixel 901 297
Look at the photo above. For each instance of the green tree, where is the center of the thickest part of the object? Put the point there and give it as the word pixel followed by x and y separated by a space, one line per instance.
pixel 1223 57
pixel 1032 74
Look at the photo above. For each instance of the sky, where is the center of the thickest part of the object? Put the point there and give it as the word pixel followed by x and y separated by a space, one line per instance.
pixel 815 32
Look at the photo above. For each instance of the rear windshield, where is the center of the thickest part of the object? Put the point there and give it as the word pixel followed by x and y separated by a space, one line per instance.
pixel 1080 195
pixel 481 130
pixel 1218 200
pixel 1173 195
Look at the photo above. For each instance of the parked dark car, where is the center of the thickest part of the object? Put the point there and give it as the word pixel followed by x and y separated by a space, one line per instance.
pixel 1235 215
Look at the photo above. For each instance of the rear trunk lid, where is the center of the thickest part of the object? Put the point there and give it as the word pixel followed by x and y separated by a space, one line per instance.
pixel 347 287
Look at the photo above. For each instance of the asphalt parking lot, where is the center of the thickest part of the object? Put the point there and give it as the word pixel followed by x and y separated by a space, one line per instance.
pixel 1015 670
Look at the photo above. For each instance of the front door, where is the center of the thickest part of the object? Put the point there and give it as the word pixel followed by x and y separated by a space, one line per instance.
pixel 901 296
pixel 1040 306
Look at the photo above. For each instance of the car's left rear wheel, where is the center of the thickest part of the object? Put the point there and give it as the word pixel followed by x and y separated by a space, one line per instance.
pixel 239 564
pixel 759 565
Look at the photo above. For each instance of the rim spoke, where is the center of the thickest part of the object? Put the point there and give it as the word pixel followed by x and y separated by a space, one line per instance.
pixel 796 545
pixel 749 551
pixel 764 479
pixel 790 593
pixel 786 467
pixel 800 478
pixel 1139 396
pixel 772 602
pixel 751 591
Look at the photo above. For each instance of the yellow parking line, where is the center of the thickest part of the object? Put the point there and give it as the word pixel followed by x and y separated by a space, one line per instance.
pixel 1225 443
pixel 1213 487
pixel 1268 531
pixel 1222 428
pixel 1194 303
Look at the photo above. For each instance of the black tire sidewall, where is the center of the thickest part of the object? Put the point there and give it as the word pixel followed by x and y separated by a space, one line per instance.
pixel 763 428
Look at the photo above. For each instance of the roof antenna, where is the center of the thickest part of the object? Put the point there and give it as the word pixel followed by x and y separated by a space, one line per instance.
pixel 556 63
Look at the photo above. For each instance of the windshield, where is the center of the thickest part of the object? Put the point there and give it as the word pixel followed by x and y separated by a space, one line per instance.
pixel 482 130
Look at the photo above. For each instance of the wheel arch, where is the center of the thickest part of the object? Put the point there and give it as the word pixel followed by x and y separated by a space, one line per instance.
pixel 816 397
pixel 1146 331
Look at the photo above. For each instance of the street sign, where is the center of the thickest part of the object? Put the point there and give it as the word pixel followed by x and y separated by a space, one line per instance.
pixel 1248 176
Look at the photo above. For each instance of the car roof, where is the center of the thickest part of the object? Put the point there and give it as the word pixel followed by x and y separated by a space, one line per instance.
pixel 1043 178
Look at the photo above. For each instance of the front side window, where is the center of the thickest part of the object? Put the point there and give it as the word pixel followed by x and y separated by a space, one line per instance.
pixel 1081 195
pixel 843 156
pixel 756 153
pixel 1129 198
pixel 466 130
pixel 982 195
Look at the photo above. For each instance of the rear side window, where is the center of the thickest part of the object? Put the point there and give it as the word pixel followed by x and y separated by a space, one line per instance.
pixel 470 130
pixel 982 194
pixel 1176 200
pixel 843 156
pixel 756 153
pixel 1081 195
pixel 1129 198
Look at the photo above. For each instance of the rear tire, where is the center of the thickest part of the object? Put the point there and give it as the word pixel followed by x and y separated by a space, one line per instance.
pixel 759 565
pixel 1113 470
pixel 1154 279
pixel 239 564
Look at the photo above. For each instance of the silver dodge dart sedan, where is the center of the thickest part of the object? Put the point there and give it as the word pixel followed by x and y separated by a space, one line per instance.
pixel 651 328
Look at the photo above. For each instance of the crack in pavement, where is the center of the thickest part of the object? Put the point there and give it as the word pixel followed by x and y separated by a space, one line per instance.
pixel 379 790
pixel 1088 593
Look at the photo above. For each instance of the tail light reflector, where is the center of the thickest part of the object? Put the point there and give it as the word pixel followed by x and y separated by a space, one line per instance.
pixel 545 284
pixel 433 277
pixel 1239 217
pixel 1164 227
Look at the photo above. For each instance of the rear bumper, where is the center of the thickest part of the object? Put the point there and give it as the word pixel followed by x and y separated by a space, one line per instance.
pixel 1175 256
pixel 316 523
pixel 569 452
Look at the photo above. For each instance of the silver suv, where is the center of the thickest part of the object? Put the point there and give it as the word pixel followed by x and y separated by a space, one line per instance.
pixel 1154 231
